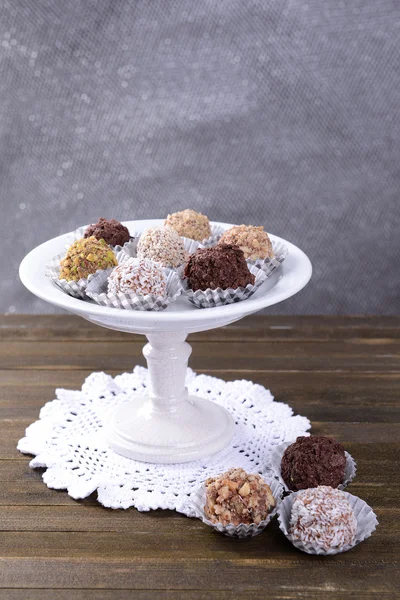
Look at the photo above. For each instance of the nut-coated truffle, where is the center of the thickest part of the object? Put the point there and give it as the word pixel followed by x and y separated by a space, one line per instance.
pixel 313 461
pixel 323 517
pixel 138 276
pixel 86 256
pixel 190 224
pixel 222 266
pixel 109 230
pixel 163 245
pixel 254 241
pixel 236 497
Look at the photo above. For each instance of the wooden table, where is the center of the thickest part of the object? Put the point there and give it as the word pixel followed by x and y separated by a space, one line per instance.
pixel 343 373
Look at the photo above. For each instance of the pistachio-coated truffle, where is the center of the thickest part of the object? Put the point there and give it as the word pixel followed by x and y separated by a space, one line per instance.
pixel 86 256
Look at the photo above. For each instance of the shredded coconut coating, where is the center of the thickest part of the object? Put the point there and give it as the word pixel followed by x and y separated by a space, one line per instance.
pixel 138 276
pixel 85 257
pixel 254 241
pixel 323 517
pixel 163 245
pixel 236 497
pixel 190 224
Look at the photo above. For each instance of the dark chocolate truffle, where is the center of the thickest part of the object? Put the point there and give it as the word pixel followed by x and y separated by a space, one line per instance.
pixel 313 461
pixel 109 230
pixel 222 266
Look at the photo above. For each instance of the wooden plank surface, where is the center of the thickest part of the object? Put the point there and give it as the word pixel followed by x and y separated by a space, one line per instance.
pixel 341 372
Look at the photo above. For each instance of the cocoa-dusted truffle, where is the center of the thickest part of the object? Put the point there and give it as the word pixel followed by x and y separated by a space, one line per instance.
pixel 140 276
pixel 323 518
pixel 85 257
pixel 190 224
pixel 109 230
pixel 222 266
pixel 163 245
pixel 236 497
pixel 313 461
pixel 254 241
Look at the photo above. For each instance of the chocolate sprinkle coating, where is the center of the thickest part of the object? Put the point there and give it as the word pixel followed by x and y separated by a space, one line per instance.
pixel 313 461
pixel 109 230
pixel 222 266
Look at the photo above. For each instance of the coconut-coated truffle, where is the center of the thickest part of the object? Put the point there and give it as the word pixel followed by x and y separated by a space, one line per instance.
pixel 254 241
pixel 86 256
pixel 163 245
pixel 236 497
pixel 313 461
pixel 323 517
pixel 222 266
pixel 109 230
pixel 138 276
pixel 190 224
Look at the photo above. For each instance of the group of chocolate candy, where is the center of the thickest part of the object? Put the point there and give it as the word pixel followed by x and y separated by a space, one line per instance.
pixel 222 265
pixel 313 467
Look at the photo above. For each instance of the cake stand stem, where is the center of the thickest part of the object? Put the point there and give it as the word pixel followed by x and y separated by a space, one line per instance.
pixel 168 425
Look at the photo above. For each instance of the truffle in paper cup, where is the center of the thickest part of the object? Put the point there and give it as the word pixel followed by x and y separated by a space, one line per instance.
pixel 198 501
pixel 76 289
pixel 218 297
pixel 270 264
pixel 275 466
pixel 131 247
pixel 80 232
pixel 97 290
pixel 366 525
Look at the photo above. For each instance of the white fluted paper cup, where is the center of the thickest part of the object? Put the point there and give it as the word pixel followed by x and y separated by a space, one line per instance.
pixel 218 297
pixel 198 501
pixel 270 264
pixel 367 522
pixel 76 289
pixel 276 459
pixel 97 290
pixel 80 232
pixel 216 232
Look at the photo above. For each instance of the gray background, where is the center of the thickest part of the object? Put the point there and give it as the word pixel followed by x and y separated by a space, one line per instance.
pixel 284 113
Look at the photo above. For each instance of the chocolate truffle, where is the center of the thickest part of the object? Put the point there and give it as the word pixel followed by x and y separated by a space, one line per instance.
pixel 313 461
pixel 109 230
pixel 222 266
pixel 236 497
pixel 163 245
pixel 138 276
pixel 323 517
pixel 254 241
pixel 190 224
pixel 85 257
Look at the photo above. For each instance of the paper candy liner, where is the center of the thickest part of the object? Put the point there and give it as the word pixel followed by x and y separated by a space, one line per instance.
pixel 366 525
pixel 80 232
pixel 76 289
pixel 216 232
pixel 275 466
pixel 218 297
pixel 269 265
pixel 198 502
pixel 97 290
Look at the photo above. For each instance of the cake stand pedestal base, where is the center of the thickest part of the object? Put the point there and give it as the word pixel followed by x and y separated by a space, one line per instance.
pixel 168 425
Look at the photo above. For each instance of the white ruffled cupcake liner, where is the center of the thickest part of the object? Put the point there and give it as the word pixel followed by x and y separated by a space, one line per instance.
pixel 216 232
pixel 198 500
pixel 80 232
pixel 275 466
pixel 76 289
pixel 270 264
pixel 366 525
pixel 218 297
pixel 97 290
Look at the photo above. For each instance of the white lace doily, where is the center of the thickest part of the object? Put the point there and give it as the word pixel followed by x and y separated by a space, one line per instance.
pixel 68 441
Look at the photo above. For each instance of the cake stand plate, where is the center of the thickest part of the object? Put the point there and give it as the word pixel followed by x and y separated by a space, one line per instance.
pixel 168 425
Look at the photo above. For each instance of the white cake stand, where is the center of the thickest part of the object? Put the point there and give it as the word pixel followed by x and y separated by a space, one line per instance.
pixel 167 425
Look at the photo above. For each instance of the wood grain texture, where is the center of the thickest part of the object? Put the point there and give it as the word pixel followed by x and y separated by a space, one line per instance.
pixel 341 372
